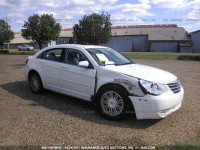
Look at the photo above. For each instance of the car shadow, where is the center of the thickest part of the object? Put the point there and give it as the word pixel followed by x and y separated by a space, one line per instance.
pixel 72 106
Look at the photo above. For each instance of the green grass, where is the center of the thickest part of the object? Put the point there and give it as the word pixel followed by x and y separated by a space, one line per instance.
pixel 160 56
pixel 192 144
pixel 23 53
pixel 189 57
pixel 150 56
pixel 4 51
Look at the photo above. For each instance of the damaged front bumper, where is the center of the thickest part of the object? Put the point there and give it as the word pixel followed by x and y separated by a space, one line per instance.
pixel 157 107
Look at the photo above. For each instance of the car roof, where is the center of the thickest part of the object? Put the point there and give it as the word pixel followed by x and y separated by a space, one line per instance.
pixel 76 45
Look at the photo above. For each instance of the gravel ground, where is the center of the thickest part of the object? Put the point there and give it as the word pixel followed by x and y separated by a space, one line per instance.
pixel 54 119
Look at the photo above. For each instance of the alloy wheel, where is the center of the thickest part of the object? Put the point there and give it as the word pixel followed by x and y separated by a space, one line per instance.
pixel 35 83
pixel 112 103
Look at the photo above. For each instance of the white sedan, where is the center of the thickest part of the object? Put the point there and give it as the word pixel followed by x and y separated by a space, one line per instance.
pixel 106 78
pixel 25 47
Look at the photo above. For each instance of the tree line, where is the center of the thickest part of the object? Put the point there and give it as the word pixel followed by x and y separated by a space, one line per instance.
pixel 91 29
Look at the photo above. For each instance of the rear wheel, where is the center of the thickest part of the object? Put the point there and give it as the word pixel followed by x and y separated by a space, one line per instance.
pixel 112 101
pixel 35 83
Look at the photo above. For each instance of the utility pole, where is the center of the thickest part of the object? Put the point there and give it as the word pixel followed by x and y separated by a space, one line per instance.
pixel 7 27
pixel 6 18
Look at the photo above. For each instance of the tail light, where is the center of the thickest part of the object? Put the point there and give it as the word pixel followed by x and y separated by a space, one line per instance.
pixel 26 60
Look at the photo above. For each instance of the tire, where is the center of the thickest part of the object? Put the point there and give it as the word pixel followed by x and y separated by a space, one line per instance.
pixel 112 102
pixel 35 83
pixel 28 49
pixel 19 49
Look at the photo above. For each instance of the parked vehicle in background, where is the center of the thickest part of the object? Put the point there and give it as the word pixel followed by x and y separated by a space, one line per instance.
pixel 107 78
pixel 25 47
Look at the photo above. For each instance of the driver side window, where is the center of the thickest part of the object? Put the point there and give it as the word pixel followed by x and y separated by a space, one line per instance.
pixel 73 57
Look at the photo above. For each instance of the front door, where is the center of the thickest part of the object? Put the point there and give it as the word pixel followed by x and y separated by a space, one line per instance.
pixel 74 80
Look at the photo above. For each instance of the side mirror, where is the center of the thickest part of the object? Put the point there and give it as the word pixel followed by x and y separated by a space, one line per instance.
pixel 84 64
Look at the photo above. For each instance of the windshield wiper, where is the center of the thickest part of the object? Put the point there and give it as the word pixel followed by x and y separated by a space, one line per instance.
pixel 124 64
pixel 129 63
pixel 109 64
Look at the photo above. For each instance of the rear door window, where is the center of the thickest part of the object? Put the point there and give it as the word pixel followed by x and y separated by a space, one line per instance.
pixel 52 55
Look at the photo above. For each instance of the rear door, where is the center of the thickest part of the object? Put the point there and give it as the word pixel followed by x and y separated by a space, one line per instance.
pixel 74 80
pixel 50 68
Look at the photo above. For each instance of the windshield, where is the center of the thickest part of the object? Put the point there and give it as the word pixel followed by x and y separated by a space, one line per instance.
pixel 107 56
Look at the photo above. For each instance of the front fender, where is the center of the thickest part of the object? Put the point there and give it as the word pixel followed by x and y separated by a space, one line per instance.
pixel 105 76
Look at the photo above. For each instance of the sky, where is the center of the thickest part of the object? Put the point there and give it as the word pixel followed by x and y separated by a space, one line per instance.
pixel 184 13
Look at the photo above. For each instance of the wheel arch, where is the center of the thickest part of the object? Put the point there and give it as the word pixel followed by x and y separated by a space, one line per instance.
pixel 130 104
pixel 31 72
pixel 41 87
pixel 109 84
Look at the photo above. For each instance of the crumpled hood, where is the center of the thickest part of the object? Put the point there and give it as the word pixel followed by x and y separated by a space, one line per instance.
pixel 144 72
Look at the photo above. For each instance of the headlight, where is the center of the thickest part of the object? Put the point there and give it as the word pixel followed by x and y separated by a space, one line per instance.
pixel 151 88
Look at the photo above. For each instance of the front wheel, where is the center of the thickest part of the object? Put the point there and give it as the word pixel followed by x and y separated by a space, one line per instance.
pixel 35 83
pixel 112 102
